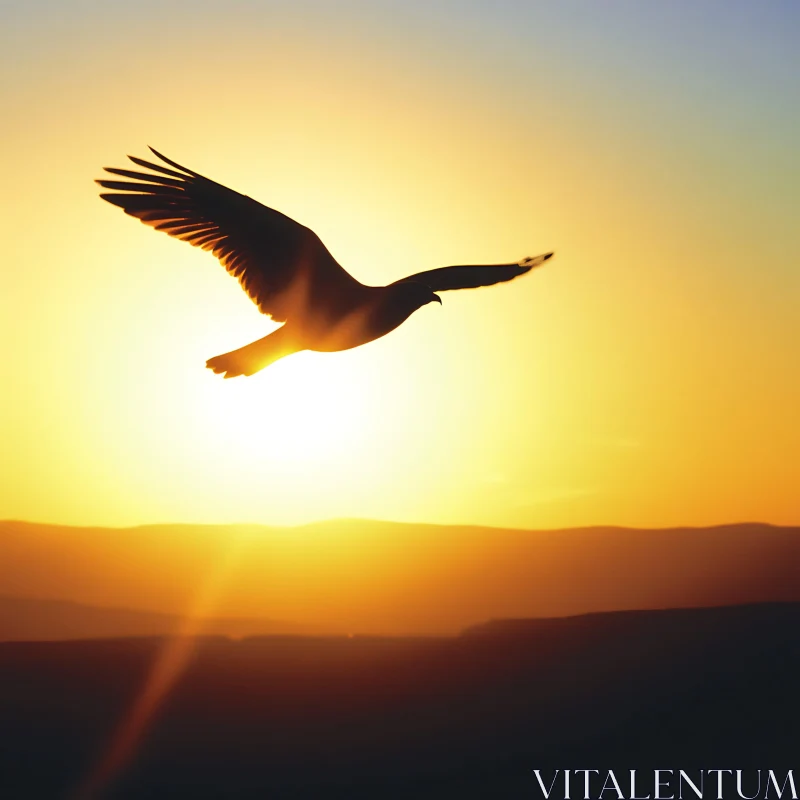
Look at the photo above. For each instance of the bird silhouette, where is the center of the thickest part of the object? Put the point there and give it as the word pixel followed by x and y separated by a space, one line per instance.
pixel 283 266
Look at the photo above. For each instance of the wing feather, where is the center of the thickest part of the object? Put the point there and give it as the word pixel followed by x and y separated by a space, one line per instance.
pixel 471 276
pixel 162 169
pixel 143 176
pixel 269 253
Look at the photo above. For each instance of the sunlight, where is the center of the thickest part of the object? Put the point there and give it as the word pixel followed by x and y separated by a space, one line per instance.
pixel 304 411
pixel 174 657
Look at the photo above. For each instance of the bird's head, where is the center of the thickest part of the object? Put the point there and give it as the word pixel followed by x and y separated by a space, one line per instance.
pixel 416 294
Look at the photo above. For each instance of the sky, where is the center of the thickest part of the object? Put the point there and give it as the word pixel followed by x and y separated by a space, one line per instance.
pixel 646 376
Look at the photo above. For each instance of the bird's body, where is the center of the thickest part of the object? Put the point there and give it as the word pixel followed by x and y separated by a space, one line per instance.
pixel 379 311
pixel 283 266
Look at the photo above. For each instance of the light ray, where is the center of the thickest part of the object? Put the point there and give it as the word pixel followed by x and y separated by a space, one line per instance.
pixel 167 670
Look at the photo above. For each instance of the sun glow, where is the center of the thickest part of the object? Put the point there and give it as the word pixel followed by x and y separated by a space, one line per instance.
pixel 600 389
pixel 302 412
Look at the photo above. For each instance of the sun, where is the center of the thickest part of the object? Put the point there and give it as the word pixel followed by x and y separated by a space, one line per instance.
pixel 304 411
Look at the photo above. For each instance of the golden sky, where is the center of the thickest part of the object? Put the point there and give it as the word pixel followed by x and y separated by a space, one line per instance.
pixel 647 376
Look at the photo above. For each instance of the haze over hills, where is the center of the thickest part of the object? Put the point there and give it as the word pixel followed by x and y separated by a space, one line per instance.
pixel 29 619
pixel 391 578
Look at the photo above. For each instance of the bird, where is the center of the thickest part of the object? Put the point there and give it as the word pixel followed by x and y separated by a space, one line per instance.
pixel 283 266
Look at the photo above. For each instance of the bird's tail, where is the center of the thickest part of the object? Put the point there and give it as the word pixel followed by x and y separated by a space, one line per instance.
pixel 252 357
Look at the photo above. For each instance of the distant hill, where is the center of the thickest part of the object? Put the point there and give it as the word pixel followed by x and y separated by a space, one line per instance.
pixel 27 619
pixel 380 577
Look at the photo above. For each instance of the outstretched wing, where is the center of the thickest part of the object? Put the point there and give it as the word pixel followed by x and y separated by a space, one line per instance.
pixel 472 276
pixel 278 262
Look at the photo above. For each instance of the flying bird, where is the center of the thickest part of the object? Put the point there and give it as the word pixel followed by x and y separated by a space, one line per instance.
pixel 283 266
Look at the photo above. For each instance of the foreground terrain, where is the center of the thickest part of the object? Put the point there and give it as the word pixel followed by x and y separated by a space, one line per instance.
pixel 369 717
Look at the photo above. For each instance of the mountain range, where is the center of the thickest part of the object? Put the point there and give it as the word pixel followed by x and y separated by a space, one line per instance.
pixel 360 576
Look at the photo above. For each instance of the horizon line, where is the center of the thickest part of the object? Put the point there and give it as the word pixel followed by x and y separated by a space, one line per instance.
pixel 370 520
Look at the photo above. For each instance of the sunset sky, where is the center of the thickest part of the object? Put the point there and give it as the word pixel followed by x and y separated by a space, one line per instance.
pixel 649 375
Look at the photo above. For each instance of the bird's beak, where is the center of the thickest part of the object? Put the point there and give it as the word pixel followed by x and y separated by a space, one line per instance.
pixel 437 299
